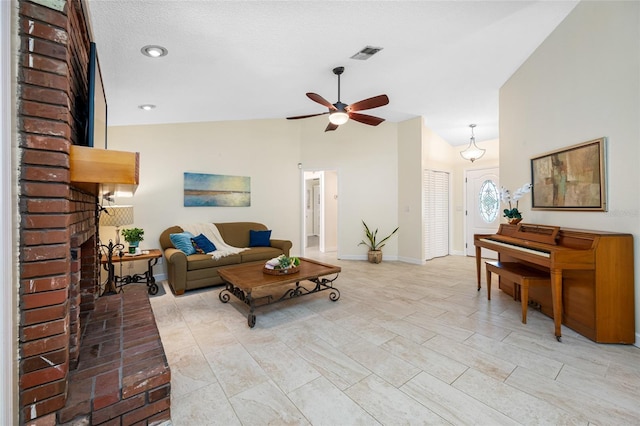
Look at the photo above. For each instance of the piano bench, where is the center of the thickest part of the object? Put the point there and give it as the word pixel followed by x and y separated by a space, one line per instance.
pixel 521 275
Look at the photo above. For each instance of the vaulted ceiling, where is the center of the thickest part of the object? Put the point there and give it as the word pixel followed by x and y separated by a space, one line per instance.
pixel 244 60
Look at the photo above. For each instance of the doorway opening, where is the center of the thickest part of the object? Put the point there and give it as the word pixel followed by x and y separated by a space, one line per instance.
pixel 319 212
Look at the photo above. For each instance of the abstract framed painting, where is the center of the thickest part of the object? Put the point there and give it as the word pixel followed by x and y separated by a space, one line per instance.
pixel 571 178
pixel 207 190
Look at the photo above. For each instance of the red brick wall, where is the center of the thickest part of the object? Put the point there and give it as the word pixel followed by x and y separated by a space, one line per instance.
pixel 57 220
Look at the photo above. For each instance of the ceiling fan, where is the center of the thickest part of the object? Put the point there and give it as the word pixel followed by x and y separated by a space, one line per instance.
pixel 340 113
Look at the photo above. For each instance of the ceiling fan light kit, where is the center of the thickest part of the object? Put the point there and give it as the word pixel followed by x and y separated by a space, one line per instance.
pixel 340 113
pixel 338 117
pixel 472 153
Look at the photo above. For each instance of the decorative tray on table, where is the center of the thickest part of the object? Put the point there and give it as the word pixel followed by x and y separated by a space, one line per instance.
pixel 288 271
pixel 282 265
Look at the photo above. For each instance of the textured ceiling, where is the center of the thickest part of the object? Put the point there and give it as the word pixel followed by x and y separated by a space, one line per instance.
pixel 242 60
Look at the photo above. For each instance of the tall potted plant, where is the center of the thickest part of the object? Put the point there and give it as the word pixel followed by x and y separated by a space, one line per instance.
pixel 375 247
pixel 133 236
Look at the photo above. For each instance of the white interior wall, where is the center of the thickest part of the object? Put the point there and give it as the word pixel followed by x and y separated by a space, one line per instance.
pixel 269 151
pixel 266 150
pixel 330 193
pixel 379 169
pixel 365 158
pixel 582 83
pixel 410 209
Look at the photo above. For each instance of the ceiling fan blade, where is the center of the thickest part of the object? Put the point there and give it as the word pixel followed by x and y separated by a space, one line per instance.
pixel 366 119
pixel 322 101
pixel 305 116
pixel 375 102
pixel 330 127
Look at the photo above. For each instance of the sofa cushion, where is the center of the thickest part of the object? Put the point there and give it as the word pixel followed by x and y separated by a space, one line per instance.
pixel 237 233
pixel 260 253
pixel 204 261
pixel 259 238
pixel 203 243
pixel 182 242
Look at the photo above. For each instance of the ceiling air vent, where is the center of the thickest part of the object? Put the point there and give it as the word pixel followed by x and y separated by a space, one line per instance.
pixel 366 53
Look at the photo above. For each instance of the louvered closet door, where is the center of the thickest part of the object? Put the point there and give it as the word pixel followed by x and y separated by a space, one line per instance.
pixel 436 213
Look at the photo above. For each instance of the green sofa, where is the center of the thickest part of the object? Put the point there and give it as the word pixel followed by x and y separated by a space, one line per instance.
pixel 201 270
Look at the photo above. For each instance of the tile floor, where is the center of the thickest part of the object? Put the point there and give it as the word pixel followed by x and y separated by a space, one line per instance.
pixel 405 344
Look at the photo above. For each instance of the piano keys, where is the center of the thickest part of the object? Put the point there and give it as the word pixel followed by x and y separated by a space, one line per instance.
pixel 514 246
pixel 592 276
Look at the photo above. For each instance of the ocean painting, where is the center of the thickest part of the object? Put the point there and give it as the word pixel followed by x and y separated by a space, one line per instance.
pixel 204 190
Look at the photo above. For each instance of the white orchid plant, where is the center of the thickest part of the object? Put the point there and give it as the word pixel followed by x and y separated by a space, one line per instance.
pixel 507 198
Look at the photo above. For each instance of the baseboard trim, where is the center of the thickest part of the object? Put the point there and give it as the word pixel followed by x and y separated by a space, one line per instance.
pixel 365 257
pixel 353 257
pixel 412 260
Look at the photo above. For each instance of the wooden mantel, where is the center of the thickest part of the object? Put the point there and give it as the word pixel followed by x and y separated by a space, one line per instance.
pixel 102 171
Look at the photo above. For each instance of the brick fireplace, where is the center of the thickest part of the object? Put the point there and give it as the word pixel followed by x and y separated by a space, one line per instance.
pixel 58 238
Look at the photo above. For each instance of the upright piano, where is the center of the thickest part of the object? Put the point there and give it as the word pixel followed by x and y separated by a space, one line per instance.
pixel 591 272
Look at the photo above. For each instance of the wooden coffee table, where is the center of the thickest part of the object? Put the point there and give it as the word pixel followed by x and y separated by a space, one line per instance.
pixel 249 284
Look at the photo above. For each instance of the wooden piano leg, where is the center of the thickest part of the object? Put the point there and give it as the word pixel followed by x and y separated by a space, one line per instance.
pixel 524 299
pixel 556 296
pixel 478 262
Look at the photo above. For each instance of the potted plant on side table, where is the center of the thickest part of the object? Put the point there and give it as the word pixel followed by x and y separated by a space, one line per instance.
pixel 375 247
pixel 133 236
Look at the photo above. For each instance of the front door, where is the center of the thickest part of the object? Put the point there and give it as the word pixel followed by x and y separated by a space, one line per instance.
pixel 483 206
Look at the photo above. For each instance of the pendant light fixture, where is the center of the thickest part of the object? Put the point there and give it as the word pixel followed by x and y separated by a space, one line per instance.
pixel 472 153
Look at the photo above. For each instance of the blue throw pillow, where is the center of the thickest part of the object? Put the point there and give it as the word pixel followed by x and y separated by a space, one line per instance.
pixel 259 238
pixel 182 242
pixel 204 243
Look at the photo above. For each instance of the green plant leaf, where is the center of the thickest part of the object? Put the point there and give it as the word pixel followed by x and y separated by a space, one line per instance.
pixel 512 213
pixel 373 243
pixel 132 235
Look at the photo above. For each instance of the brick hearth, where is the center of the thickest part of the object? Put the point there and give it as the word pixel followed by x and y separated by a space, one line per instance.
pixel 122 376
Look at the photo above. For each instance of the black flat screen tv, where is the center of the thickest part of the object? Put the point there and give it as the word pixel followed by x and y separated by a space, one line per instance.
pixel 96 127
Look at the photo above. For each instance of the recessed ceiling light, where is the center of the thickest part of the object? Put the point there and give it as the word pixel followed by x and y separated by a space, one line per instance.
pixel 147 107
pixel 154 51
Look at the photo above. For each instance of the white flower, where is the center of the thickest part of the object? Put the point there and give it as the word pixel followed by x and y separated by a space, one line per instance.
pixel 520 192
pixel 517 195
pixel 505 195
